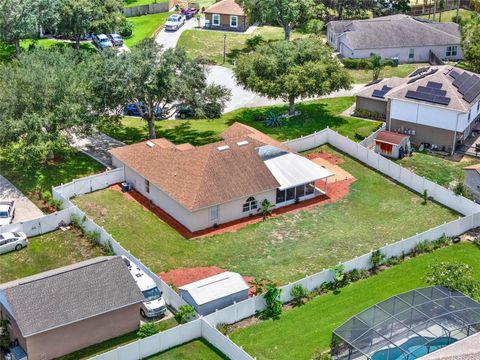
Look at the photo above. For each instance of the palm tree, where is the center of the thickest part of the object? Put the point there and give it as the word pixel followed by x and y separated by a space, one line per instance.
pixel 376 64
pixel 257 284
pixel 266 209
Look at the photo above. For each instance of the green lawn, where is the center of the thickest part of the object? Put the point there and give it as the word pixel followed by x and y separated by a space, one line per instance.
pixel 302 331
pixel 111 344
pixel 132 3
pixel 285 248
pixel 144 27
pixel 315 116
pixel 448 15
pixel 47 252
pixel 437 169
pixel 39 178
pixel 365 76
pixel 210 43
pixel 194 350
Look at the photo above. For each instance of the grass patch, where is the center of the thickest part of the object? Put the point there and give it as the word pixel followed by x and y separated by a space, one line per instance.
pixel 194 350
pixel 437 169
pixel 133 3
pixel 41 177
pixel 144 27
pixel 210 43
pixel 111 344
pixel 361 76
pixel 285 248
pixel 448 15
pixel 315 116
pixel 281 339
pixel 47 252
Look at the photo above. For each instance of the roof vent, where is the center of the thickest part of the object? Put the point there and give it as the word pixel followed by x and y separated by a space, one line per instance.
pixel 150 144
pixel 223 148
pixel 242 143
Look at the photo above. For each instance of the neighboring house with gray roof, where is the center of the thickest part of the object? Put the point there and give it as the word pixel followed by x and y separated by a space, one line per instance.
pixel 439 106
pixel 57 312
pixel 399 36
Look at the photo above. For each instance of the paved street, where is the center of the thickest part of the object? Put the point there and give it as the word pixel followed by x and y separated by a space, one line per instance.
pixel 97 146
pixel 25 209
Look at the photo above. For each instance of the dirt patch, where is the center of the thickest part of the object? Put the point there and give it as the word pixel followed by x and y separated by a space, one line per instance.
pixel 242 324
pixel 326 156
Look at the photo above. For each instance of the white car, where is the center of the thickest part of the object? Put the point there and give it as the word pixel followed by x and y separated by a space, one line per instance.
pixel 153 304
pixel 175 22
pixel 11 241
pixel 102 41
pixel 7 212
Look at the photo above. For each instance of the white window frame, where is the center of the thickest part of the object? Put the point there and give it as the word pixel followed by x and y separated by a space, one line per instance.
pixel 251 204
pixel 216 17
pixel 236 22
pixel 411 53
pixel 452 51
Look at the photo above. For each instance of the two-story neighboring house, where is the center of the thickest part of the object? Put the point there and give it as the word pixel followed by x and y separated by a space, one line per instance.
pixel 437 105
pixel 406 38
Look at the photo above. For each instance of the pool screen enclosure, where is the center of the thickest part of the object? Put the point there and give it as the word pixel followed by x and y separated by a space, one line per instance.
pixel 407 326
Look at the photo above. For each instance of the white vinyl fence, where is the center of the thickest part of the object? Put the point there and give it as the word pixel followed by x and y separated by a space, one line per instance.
pixel 369 141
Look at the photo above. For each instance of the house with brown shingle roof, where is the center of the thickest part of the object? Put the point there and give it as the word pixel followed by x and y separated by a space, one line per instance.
pixel 208 185
pixel 226 15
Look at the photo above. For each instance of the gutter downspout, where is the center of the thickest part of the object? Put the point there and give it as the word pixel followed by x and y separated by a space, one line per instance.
pixel 455 136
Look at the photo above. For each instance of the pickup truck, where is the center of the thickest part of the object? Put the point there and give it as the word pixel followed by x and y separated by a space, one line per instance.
pixel 7 212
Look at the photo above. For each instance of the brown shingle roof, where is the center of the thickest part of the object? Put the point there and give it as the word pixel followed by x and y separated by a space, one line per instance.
pixel 226 7
pixel 238 130
pixel 390 137
pixel 203 176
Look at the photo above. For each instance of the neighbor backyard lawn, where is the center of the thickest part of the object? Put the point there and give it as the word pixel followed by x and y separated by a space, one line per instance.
pixel 40 177
pixel 132 3
pixel 194 350
pixel 448 15
pixel 285 248
pixel 315 116
pixel 438 169
pixel 111 344
pixel 210 43
pixel 365 76
pixel 302 331
pixel 144 27
pixel 47 252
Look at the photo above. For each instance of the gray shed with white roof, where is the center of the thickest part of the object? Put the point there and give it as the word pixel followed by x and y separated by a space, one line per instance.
pixel 215 292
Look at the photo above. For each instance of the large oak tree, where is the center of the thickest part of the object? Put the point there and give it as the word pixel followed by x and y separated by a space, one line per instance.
pixel 292 70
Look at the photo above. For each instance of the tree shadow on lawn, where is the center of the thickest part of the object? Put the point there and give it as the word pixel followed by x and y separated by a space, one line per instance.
pixel 127 134
pixel 185 133
pixel 315 116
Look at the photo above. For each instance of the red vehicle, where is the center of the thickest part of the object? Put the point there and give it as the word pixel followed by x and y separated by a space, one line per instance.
pixel 189 12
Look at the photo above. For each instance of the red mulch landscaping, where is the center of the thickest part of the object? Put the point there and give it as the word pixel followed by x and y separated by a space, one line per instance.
pixel 330 158
pixel 184 276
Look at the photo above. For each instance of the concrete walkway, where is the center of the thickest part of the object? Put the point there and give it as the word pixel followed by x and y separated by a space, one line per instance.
pixel 169 39
pixel 97 147
pixel 25 209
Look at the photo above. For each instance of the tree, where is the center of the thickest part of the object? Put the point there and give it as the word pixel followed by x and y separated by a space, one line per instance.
pixel 377 259
pixel 266 209
pixel 184 314
pixel 388 7
pixel 441 8
pixel 455 276
pixel 348 8
pixel 292 70
pixel 155 82
pixel 286 13
pixel 18 20
pixel 338 276
pixel 273 305
pixel 471 46
pixel 48 99
pixel 376 64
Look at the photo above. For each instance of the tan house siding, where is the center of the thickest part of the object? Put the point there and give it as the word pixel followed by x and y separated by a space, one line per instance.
pixel 76 336
pixel 378 106
pixel 243 23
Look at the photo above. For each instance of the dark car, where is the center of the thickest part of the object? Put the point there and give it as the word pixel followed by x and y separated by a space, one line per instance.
pixel 132 110
pixel 185 112
pixel 116 39
pixel 189 12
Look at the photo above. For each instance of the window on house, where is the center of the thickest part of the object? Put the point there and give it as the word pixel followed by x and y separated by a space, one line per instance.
pixel 451 51
pixel 290 194
pixel 280 196
pixel 147 186
pixel 214 213
pixel 310 189
pixel 469 115
pixel 233 21
pixel 300 191
pixel 411 53
pixel 216 19
pixel 250 205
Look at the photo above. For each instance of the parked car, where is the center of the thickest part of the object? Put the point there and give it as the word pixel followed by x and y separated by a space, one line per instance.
pixel 116 39
pixel 185 111
pixel 7 212
pixel 175 22
pixel 102 41
pixel 189 12
pixel 11 241
pixel 132 110
pixel 153 304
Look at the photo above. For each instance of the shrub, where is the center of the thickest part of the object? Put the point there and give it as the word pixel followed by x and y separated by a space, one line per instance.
pixel 108 248
pixel 389 62
pixel 127 29
pixel 441 242
pixel 394 260
pixel 76 221
pixel 338 277
pixel 318 355
pixel 367 114
pixel 460 189
pixel 93 237
pixel 355 275
pixel 299 294
pixel 56 204
pixel 223 328
pixel 146 330
pixel 272 301
pixel 476 242
pixel 254 41
pixel 456 276
pixel 457 19
pixel 184 313
pixel 424 247
pixel 425 197
pixel 362 132
pixel 315 26
pixel 351 63
pixel 273 120
pixel 377 258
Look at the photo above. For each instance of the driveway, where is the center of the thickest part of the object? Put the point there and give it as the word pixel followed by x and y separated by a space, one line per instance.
pixel 169 39
pixel 97 147
pixel 25 209
pixel 242 98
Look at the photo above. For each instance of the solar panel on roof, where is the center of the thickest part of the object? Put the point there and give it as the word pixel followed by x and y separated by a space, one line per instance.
pixel 379 93
pixel 468 84
pixel 472 93
pixel 461 79
pixel 418 71
pixel 436 99
pixel 454 74
pixel 434 85
pixel 428 90
pixel 441 100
